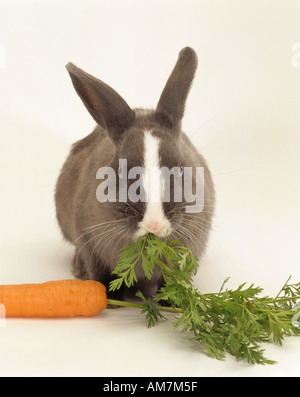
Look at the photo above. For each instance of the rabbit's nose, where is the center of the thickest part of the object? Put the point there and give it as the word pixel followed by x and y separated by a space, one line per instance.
pixel 153 226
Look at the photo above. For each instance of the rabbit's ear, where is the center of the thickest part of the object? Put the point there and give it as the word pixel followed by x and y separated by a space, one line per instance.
pixel 170 108
pixel 105 105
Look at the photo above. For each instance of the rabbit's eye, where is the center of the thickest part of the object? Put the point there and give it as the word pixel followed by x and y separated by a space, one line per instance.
pixel 122 173
pixel 179 172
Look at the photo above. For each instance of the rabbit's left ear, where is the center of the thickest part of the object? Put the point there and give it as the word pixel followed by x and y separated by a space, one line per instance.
pixel 170 108
pixel 105 105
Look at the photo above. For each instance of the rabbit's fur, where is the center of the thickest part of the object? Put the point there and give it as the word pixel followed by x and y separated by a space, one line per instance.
pixel 99 229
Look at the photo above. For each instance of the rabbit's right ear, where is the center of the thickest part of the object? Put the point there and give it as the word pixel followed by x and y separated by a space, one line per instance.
pixel 171 105
pixel 105 105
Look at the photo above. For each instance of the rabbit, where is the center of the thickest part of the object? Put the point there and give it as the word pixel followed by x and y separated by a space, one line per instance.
pixel 146 138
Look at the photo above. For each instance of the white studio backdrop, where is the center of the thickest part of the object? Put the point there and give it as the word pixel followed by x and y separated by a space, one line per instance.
pixel 243 114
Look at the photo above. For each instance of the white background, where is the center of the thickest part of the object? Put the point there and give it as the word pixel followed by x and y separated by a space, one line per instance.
pixel 243 113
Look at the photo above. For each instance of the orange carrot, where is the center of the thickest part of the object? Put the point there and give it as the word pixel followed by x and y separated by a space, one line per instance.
pixel 65 298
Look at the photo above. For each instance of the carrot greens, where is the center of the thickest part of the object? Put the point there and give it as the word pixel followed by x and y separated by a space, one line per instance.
pixel 234 321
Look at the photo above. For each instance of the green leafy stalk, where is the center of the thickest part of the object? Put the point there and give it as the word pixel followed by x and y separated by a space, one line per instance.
pixel 233 321
pixel 128 258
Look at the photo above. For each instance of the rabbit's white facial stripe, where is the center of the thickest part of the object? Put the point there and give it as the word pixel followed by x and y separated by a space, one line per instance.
pixel 152 179
pixel 154 219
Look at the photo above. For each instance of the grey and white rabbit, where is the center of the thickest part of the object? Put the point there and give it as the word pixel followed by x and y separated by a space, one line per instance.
pixel 145 138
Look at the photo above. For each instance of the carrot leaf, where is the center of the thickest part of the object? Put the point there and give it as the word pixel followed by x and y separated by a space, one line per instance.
pixel 235 321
